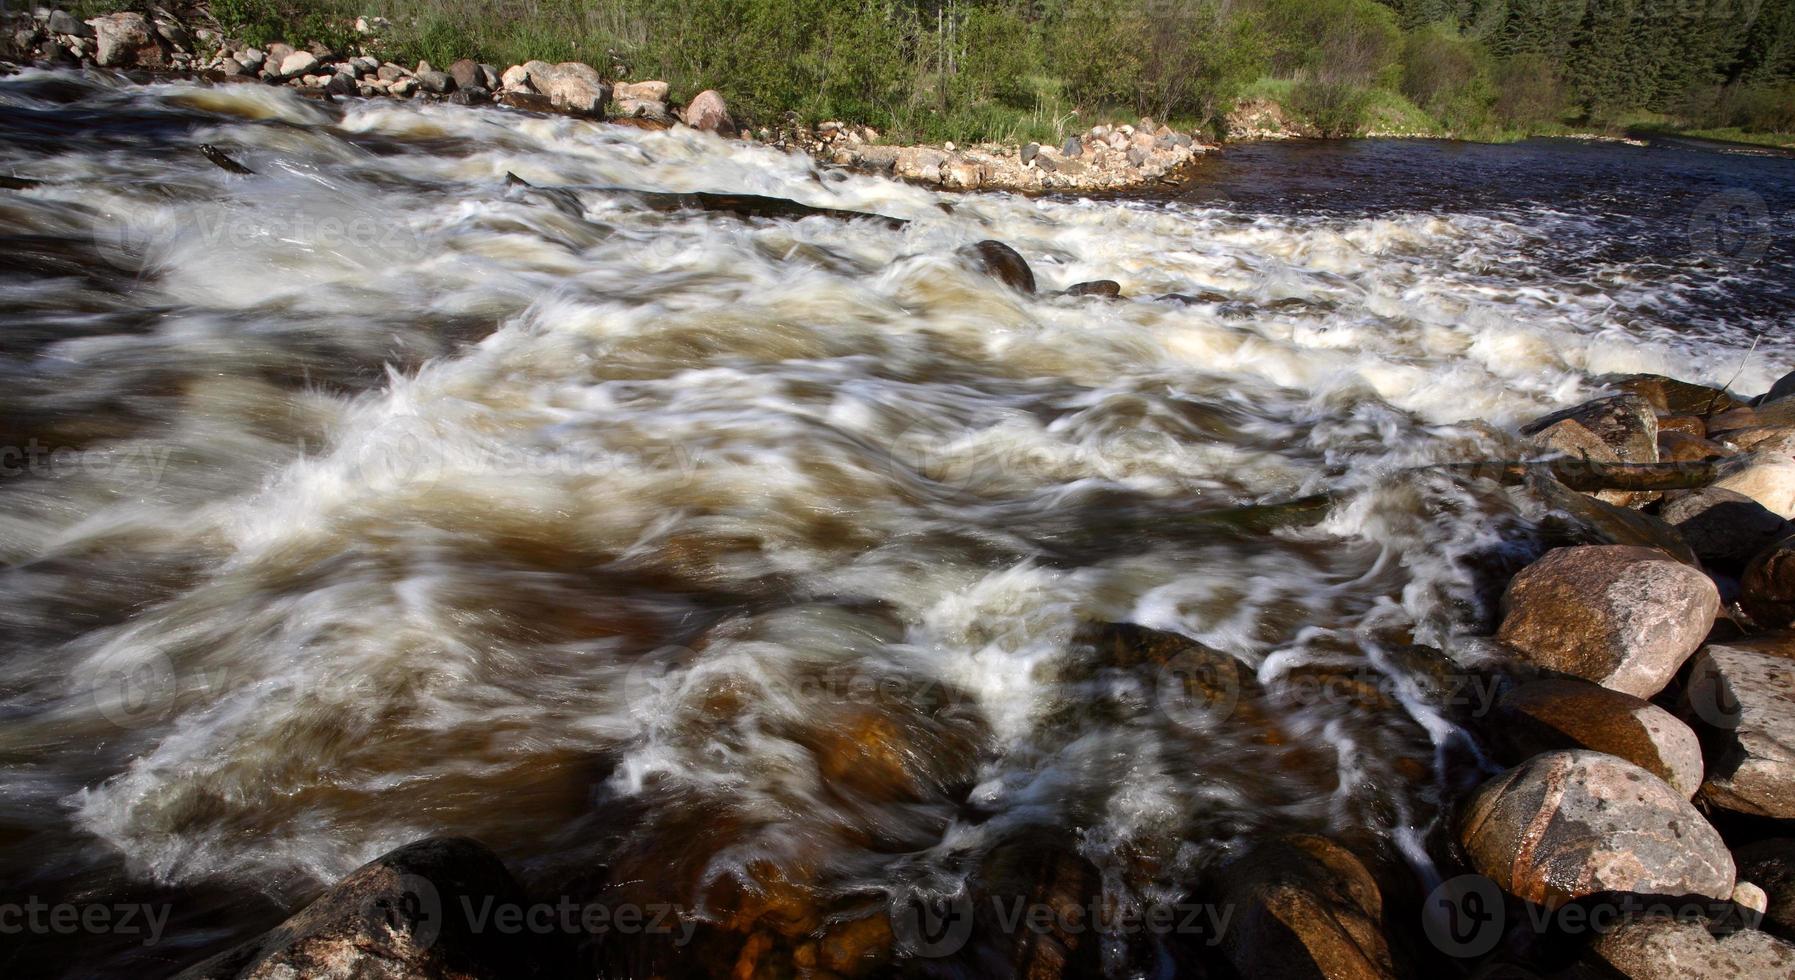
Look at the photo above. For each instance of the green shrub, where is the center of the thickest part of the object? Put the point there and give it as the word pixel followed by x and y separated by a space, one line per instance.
pixel 1331 108
pixel 1448 77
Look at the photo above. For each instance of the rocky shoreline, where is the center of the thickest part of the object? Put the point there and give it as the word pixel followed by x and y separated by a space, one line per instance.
pixel 1107 158
pixel 1630 806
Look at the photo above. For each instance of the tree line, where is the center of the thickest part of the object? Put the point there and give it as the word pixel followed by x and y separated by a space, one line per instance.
pixel 973 69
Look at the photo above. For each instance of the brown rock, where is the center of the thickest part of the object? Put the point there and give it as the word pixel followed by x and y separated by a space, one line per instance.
pixel 1106 288
pixel 642 91
pixel 1671 949
pixel 708 112
pixel 1669 396
pixel 466 73
pixel 1304 907
pixel 126 40
pixel 1624 617
pixel 1562 713
pixel 1681 447
pixel 400 915
pixel 1003 263
pixel 1767 589
pixel 1741 699
pixel 1569 824
pixel 1691 425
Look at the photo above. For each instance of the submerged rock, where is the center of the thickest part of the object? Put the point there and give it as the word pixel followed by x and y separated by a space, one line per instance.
pixel 1562 713
pixel 401 915
pixel 1304 907
pixel 1568 824
pixel 1623 617
pixel 1741 698
pixel 1106 288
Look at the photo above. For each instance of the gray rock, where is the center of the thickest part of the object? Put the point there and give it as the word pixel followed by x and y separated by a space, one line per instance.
pixel 63 22
pixel 298 63
pixel 1724 528
pixel 125 40
pixel 1624 617
pixel 174 34
pixel 390 72
pixel 1569 824
pixel 400 915
pixel 439 82
pixel 1138 156
pixel 1106 288
pixel 342 83
pixel 650 91
pixel 1741 697
pixel 232 68
pixel 471 95
pixel 1029 152
pixel 252 59
pixel 1074 147
pixel 489 77
pixel 1784 387
pixel 1669 949
pixel 643 109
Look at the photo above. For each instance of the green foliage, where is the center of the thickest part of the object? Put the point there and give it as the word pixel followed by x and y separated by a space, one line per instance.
pixel 977 69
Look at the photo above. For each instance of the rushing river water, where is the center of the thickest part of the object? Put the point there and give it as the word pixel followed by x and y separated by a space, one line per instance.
pixel 758 567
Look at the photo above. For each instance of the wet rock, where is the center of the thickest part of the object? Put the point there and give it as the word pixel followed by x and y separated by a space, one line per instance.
pixel 125 40
pixel 1624 617
pixel 1784 387
pixel 63 22
pixel 471 95
pixel 1767 589
pixel 1723 527
pixel 342 83
pixel 1770 865
pixel 1673 949
pixel 437 82
pixel 1562 713
pixel 527 101
pixel 1681 447
pixel 1691 425
pixel 1304 907
pixel 1107 288
pixel 1003 263
pixel 1620 428
pixel 1768 479
pixel 1668 396
pixel 400 915
pixel 1741 699
pixel 1569 824
pixel 296 64
pixel 465 72
pixel 1595 521
pixel 708 113
pixel 1036 871
pixel 641 91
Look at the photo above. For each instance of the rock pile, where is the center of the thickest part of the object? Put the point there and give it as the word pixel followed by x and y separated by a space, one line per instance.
pixel 1106 158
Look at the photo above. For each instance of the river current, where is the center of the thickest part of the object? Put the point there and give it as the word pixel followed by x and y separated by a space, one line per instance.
pixel 761 568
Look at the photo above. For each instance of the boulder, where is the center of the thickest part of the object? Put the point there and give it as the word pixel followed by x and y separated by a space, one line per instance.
pixel 252 58
pixel 1676 949
pixel 920 163
pixel 1784 387
pixel 63 22
pixel 1304 907
pixel 296 64
pixel 438 82
pixel 961 174
pixel 126 40
pixel 471 95
pixel 390 72
pixel 1569 824
pixel 1563 713
pixel 1691 425
pixel 1003 263
pixel 709 113
pixel 1668 396
pixel 400 915
pixel 1074 147
pixel 515 79
pixel 1741 699
pixel 1770 865
pixel 1723 527
pixel 1029 152
pixel 649 109
pixel 641 91
pixel 1767 478
pixel 1624 617
pixel 575 93
pixel 342 83
pixel 1620 428
pixel 466 73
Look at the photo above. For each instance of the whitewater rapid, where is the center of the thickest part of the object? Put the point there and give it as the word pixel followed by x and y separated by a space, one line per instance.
pixel 397 500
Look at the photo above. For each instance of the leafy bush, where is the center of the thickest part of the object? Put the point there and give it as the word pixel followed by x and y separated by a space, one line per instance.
pixel 1528 91
pixel 1332 108
pixel 1448 77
